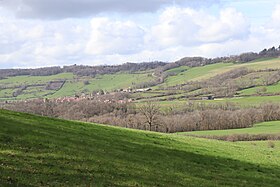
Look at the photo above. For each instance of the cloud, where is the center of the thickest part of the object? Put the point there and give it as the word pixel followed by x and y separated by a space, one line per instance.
pixel 114 37
pixel 176 26
pixel 172 33
pixel 190 27
pixel 56 9
pixel 38 43
pixel 275 17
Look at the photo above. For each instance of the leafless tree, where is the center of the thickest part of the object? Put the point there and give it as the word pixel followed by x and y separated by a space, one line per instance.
pixel 150 111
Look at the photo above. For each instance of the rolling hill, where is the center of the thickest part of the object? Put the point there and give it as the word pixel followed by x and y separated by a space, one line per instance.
pixel 173 91
pixel 35 86
pixel 40 151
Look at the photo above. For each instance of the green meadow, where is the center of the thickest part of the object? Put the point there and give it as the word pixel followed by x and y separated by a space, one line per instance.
pixel 40 151
pixel 73 85
pixel 268 89
pixel 272 127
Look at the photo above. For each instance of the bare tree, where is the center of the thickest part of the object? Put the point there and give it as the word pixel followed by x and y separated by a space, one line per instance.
pixel 150 111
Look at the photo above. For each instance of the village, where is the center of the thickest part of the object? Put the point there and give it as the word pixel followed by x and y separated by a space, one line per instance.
pixel 118 96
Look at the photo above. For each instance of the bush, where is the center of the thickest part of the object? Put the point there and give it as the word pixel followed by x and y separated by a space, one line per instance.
pixel 271 144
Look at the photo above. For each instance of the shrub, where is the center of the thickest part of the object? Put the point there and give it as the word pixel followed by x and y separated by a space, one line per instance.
pixel 271 144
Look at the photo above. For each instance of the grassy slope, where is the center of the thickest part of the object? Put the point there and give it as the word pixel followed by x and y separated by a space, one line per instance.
pixel 195 73
pixel 73 84
pixel 261 128
pixel 48 152
pixel 270 89
pixel 178 70
pixel 205 72
pixel 122 80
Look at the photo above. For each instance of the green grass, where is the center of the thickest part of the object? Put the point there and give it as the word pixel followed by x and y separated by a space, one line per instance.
pixel 208 71
pixel 178 69
pixel 21 80
pixel 269 89
pixel 38 151
pixel 195 73
pixel 115 81
pixel 74 85
pixel 246 101
pixel 261 128
pixel 105 82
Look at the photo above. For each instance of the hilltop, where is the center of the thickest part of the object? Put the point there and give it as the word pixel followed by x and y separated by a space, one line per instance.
pixel 40 151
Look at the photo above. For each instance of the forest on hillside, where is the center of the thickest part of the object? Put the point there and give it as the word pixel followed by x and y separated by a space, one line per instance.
pixel 82 70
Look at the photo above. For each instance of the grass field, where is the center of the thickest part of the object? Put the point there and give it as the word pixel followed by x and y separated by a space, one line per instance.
pixel 247 101
pixel 269 89
pixel 178 70
pixel 195 73
pixel 74 85
pixel 38 151
pixel 261 128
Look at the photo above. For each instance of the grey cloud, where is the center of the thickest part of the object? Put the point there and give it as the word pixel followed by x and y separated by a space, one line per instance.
pixel 57 9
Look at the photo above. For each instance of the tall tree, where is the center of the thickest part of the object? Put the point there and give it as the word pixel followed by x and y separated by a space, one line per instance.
pixel 150 111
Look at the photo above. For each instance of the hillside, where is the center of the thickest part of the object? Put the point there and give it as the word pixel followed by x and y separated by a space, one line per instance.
pixel 227 81
pixel 191 78
pixel 30 87
pixel 39 151
pixel 245 84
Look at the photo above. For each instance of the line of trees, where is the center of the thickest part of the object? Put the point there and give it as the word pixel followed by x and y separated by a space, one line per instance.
pixel 160 67
pixel 243 137
pixel 82 70
pixel 148 116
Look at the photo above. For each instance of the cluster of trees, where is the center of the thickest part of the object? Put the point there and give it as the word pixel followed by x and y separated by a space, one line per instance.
pixel 200 61
pixel 19 91
pixel 33 72
pixel 82 70
pixel 242 58
pixel 229 83
pixel 79 110
pixel 149 116
pixel 133 67
pixel 54 85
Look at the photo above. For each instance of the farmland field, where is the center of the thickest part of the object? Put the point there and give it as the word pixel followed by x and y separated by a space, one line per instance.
pixel 73 85
pixel 269 89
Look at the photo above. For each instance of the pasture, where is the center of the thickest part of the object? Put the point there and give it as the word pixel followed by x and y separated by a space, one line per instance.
pixel 40 151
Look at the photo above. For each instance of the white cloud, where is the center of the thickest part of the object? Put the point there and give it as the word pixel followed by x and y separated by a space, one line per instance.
pixel 189 27
pixel 176 27
pixel 230 25
pixel 28 43
pixel 114 37
pixel 275 17
pixel 173 33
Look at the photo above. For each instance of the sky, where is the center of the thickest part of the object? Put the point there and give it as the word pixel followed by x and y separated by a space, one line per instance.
pixel 39 33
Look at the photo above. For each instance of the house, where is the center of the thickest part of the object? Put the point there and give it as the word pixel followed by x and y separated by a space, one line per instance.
pixel 209 97
pixel 144 90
